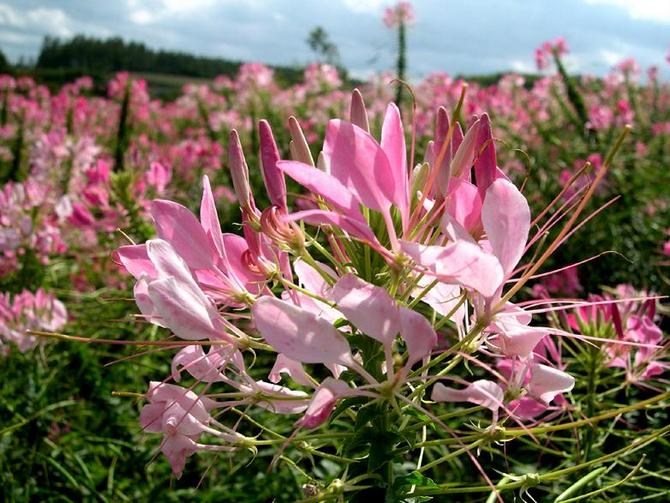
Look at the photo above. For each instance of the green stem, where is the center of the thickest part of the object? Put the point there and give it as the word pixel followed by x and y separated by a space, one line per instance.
pixel 401 62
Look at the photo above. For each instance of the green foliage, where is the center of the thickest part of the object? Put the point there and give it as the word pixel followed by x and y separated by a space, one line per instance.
pixel 64 436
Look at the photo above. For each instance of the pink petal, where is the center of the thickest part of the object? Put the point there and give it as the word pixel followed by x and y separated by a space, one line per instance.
pixel 506 219
pixel 358 115
pixel 356 159
pixel 486 171
pixel 547 382
pixel 144 302
pixel 189 400
pixel 465 155
pixel 151 417
pixel 311 279
pixel 209 217
pixel 279 399
pixel 652 370
pixel 323 402
pixel 355 228
pixel 393 145
pixel 464 203
pixel 299 143
pixel 526 407
pixel 203 367
pixel 239 172
pixel 186 314
pixel 168 263
pixel 176 449
pixel 454 230
pixel 519 340
pixel 461 262
pixel 325 185
pixel 293 369
pixel 483 392
pixel 418 334
pixel 178 419
pixel 370 308
pixel 272 175
pixel 298 334
pixel 135 260
pixel 443 176
pixel 236 246
pixel 307 303
pixel 177 225
pixel 442 297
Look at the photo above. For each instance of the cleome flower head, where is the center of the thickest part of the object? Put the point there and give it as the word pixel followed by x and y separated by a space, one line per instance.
pixel 389 274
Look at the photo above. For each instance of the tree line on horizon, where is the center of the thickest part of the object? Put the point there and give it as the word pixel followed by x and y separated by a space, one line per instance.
pixel 94 55
pixel 61 60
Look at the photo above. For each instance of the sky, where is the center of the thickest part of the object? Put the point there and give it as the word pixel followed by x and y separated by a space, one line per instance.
pixel 459 37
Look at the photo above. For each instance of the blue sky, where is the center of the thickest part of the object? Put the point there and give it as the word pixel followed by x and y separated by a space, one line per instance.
pixel 460 37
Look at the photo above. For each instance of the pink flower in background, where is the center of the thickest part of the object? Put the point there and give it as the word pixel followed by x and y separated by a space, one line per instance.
pixel 20 313
pixel 625 114
pixel 255 75
pixel 600 117
pixel 560 46
pixel 666 245
pixel 321 77
pixel 541 61
pixel 626 321
pixel 400 13
pixel 629 67
pixel 159 176
pixel 547 50
pixel 565 282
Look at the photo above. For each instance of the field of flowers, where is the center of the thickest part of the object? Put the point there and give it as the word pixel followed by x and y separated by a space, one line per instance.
pixel 256 293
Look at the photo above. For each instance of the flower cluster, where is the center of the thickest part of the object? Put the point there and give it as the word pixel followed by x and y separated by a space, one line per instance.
pixel 625 315
pixel 549 49
pixel 27 225
pixel 408 271
pixel 25 312
pixel 400 13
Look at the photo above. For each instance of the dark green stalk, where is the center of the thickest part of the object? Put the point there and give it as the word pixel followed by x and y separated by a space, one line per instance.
pixel 123 132
pixel 591 385
pixel 14 174
pixel 122 191
pixel 4 112
pixel 402 61
pixel 69 119
pixel 575 98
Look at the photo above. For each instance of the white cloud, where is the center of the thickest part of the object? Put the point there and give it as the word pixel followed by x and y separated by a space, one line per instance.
pixel 649 10
pixel 152 11
pixel 611 58
pixel 365 6
pixel 522 66
pixel 9 17
pixel 53 21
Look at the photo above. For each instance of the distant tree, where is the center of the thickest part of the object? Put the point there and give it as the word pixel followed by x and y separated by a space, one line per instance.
pixel 4 64
pixel 325 50
pixel 114 54
pixel 99 57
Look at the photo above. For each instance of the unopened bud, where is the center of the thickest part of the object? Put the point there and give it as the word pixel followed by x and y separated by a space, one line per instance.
pixel 299 146
pixel 239 172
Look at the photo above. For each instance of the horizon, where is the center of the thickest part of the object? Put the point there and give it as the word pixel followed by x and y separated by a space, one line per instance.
pixel 600 33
